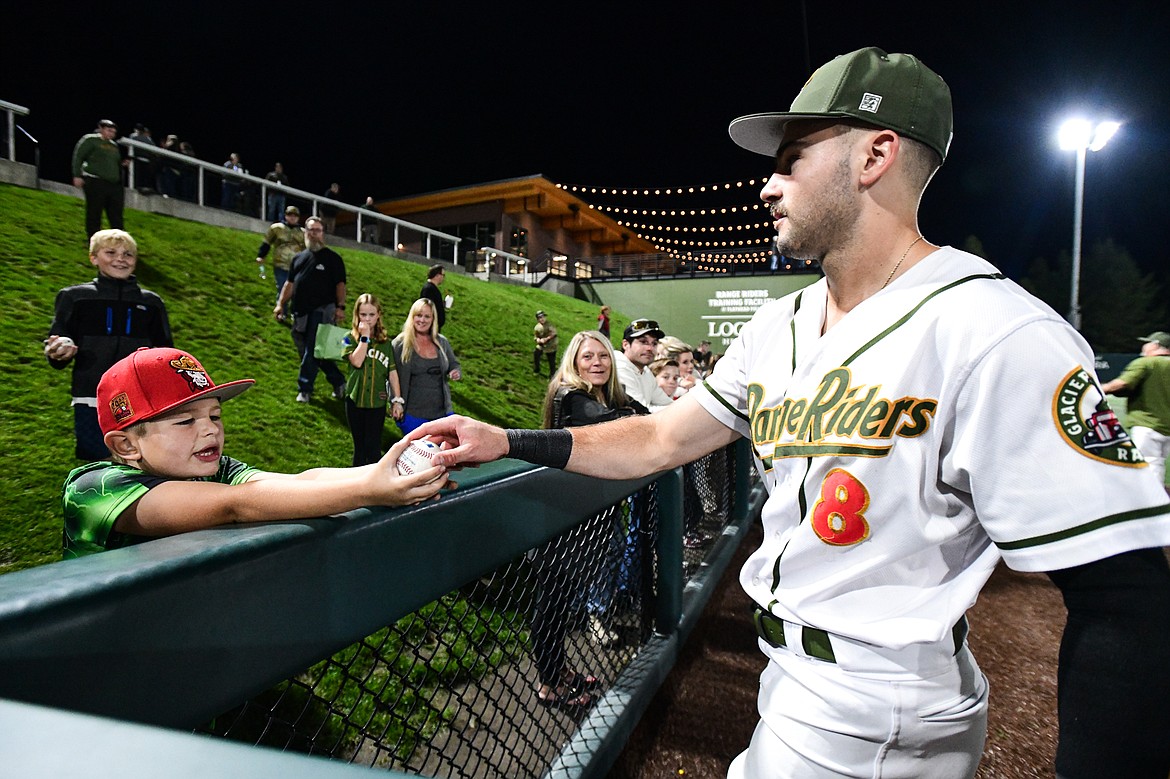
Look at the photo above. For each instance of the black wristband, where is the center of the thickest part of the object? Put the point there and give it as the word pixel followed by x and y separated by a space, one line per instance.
pixel 541 447
pixel 365 339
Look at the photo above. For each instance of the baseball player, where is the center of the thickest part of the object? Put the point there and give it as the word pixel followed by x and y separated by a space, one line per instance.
pixel 915 417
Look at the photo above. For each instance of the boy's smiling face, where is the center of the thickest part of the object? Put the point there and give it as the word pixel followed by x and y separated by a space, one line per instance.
pixel 184 443
pixel 116 261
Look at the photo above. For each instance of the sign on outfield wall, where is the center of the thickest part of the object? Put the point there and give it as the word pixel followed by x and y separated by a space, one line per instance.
pixel 695 310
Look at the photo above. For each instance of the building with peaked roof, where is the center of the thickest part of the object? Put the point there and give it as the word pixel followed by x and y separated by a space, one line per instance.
pixel 529 217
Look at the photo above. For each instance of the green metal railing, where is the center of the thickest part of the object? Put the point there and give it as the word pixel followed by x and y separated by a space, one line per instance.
pixel 290 634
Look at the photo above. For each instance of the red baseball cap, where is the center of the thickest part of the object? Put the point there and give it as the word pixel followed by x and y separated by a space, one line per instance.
pixel 150 382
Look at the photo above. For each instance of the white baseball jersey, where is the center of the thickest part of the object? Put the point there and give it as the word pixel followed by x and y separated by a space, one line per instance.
pixel 947 421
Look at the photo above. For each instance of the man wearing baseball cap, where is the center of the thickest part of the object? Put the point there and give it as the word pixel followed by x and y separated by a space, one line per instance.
pixel 916 419
pixel 287 240
pixel 639 348
pixel 160 412
pixel 1145 383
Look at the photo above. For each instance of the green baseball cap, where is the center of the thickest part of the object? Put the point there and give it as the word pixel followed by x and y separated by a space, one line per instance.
pixel 893 91
pixel 1161 338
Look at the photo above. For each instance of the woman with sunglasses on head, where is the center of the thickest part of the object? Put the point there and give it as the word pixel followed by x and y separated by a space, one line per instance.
pixel 426 363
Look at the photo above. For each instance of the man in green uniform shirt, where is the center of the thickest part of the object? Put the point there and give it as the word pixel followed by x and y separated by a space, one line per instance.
pixel 97 169
pixel 1146 383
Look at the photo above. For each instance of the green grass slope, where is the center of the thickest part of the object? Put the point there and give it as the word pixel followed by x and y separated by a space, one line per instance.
pixel 221 311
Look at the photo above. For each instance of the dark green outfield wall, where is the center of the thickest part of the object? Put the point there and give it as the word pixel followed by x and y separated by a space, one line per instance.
pixel 695 309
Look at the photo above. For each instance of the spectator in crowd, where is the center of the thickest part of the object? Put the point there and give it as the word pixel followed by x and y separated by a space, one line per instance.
pixel 702 359
pixel 584 391
pixel 97 169
pixel 544 334
pixel 159 413
pixel 430 291
pixel 100 322
pixel 287 240
pixel 189 175
pixel 230 190
pixel 427 364
pixel 639 345
pixel 676 349
pixel 316 287
pixel 603 321
pixel 329 211
pixel 373 376
pixel 144 162
pixel 166 172
pixel 665 370
pixel 274 205
pixel 1145 382
pixel 370 226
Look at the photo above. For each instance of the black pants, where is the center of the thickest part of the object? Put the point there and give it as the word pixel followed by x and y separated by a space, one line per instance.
pixel 365 425
pixel 102 195
pixel 550 356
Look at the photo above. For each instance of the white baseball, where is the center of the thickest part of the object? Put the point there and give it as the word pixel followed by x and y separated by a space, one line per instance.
pixel 419 456
pixel 63 342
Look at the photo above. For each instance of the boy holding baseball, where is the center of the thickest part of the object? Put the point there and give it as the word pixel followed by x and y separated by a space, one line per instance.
pixel 100 322
pixel 159 412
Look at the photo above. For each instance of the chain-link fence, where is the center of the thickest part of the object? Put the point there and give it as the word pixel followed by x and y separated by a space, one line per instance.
pixel 493 679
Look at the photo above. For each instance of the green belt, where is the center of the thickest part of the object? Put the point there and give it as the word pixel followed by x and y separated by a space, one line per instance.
pixel 816 642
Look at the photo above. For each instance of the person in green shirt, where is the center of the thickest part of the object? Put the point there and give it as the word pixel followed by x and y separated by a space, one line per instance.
pixel 167 473
pixel 97 169
pixel 1145 382
pixel 372 380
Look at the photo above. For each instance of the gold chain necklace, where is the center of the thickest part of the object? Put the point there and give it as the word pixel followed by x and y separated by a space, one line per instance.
pixel 899 263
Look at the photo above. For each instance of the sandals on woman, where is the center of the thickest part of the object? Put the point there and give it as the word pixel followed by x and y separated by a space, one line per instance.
pixel 572 694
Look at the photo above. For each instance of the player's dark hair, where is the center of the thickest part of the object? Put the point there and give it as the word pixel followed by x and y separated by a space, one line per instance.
pixel 434 270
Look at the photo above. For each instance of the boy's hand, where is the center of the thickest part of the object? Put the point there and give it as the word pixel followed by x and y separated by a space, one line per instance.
pixel 394 489
pixel 60 348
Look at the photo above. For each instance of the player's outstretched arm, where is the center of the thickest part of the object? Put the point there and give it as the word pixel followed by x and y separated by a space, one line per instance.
pixel 181 506
pixel 625 448
pixel 1114 676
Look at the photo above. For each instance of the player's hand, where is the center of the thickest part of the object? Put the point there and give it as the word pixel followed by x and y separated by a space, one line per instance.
pixel 463 441
pixel 455 375
pixel 339 316
pixel 60 348
pixel 78 182
pixel 394 489
pixel 278 312
pixel 364 329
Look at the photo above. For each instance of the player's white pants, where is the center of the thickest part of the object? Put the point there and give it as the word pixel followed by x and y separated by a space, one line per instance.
pixel 1155 447
pixel 819 721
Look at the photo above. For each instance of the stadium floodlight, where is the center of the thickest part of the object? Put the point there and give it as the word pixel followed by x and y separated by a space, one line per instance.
pixel 1081 136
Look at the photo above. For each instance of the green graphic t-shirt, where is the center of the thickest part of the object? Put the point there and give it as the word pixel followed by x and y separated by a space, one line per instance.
pixel 368 385
pixel 95 495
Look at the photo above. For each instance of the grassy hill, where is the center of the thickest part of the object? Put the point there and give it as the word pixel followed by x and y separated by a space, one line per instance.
pixel 220 311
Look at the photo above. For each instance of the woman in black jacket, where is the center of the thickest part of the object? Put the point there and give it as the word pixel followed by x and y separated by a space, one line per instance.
pixel 583 391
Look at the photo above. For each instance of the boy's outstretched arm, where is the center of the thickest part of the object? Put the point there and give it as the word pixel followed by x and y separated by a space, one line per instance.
pixel 181 506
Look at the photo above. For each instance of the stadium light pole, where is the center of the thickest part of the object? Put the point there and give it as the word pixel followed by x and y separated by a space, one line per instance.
pixel 1081 136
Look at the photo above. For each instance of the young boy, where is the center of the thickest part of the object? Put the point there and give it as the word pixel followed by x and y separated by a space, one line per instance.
pixel 97 324
pixel 159 412
pixel 666 372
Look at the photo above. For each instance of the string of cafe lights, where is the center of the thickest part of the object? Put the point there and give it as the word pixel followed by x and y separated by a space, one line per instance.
pixel 674 204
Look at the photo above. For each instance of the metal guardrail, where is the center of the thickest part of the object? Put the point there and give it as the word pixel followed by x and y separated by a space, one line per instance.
pixel 11 111
pixel 176 632
pixel 396 225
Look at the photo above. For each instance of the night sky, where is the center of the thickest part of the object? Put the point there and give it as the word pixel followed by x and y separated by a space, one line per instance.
pixel 394 98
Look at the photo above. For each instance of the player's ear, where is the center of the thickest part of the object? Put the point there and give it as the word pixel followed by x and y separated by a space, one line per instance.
pixel 881 149
pixel 123 446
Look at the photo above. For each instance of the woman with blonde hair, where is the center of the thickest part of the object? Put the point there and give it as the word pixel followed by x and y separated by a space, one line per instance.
pixel 426 363
pixel 578 569
pixel 585 389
